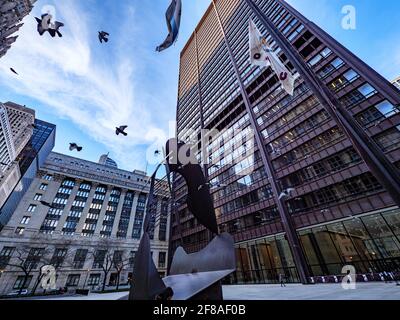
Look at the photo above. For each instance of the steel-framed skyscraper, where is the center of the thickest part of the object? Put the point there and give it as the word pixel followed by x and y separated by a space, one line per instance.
pixel 340 212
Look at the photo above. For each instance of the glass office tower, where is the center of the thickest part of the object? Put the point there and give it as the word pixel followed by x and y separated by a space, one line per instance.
pixel 31 158
pixel 341 213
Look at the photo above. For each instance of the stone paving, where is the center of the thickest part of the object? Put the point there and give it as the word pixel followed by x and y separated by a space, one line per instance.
pixel 363 291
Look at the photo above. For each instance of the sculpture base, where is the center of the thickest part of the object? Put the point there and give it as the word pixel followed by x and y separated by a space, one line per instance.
pixel 213 292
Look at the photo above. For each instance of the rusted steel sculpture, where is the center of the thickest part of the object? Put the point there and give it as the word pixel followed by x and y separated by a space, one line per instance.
pixel 192 276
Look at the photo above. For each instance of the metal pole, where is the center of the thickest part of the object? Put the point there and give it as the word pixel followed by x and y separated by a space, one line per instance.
pixel 385 172
pixel 292 238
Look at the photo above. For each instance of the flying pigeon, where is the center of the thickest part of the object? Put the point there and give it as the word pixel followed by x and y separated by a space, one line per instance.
pixel 73 146
pixel 12 70
pixel 103 36
pixel 286 193
pixel 45 24
pixel 121 130
pixel 46 204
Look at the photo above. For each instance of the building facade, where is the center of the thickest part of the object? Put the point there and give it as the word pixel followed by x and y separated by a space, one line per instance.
pixel 87 214
pixel 105 160
pixel 16 130
pixel 396 83
pixel 11 14
pixel 341 213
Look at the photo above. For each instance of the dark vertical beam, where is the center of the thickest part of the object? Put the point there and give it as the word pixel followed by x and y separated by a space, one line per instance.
pixel 386 173
pixel 203 145
pixel 298 254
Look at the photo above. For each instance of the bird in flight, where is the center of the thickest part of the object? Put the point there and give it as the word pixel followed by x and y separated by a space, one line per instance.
pixel 45 24
pixel 46 204
pixel 286 193
pixel 121 130
pixel 103 36
pixel 12 70
pixel 73 146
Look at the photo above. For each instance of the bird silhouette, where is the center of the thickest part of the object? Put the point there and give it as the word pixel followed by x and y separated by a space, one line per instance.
pixel 103 36
pixel 286 193
pixel 73 146
pixel 121 130
pixel 46 204
pixel 45 24
pixel 12 70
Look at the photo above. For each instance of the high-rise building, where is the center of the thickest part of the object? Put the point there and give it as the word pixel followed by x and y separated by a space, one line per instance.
pixel 11 14
pixel 105 160
pixel 7 151
pixel 78 206
pixel 15 132
pixel 396 83
pixel 339 212
pixel 27 163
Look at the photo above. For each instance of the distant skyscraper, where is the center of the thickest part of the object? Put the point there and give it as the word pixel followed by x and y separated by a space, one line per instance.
pixel 396 83
pixel 21 121
pixel 28 161
pixel 105 160
pixel 11 14
pixel 338 210
pixel 16 128
pixel 7 149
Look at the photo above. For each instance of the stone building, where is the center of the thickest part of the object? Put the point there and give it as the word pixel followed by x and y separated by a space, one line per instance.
pixel 78 216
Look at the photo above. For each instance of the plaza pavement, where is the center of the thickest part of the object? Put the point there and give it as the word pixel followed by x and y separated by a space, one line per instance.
pixel 364 291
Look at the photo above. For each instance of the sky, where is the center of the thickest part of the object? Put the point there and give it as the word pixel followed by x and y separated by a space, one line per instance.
pixel 87 88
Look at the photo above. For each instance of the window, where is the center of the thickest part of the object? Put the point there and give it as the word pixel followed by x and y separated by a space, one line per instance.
pixel 80 257
pixel 99 257
pixel 19 230
pixel 37 197
pixel 94 279
pixel 387 109
pixel 25 220
pixel 389 140
pixel 132 259
pixel 322 55
pixel 367 90
pixel 337 63
pixel 161 259
pixel 350 75
pixel 32 208
pixel 43 186
pixel 73 280
pixel 48 177
pixel 58 258
pixel 19 283
pixel 5 256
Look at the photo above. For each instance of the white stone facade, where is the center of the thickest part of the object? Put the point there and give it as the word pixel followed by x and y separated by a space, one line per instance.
pixel 93 204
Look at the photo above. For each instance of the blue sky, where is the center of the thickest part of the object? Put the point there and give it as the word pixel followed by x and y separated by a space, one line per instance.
pixel 87 89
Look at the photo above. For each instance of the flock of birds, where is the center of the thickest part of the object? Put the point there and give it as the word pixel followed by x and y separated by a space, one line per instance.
pixel 45 24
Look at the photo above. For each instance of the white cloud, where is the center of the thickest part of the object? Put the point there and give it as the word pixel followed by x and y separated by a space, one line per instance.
pixel 65 75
